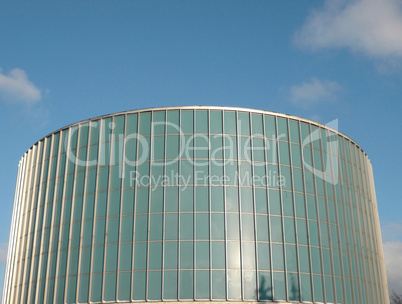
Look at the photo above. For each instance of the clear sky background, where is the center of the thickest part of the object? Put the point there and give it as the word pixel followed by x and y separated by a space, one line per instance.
pixel 323 60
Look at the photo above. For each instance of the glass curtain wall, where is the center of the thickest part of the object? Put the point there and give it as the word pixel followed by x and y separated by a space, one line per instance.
pixel 195 203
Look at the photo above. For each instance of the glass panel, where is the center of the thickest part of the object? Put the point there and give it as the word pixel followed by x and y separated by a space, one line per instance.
pixel 282 128
pixel 155 227
pixel 155 255
pixel 277 257
pixel 186 284
pixel 186 255
pixel 139 285
pixel 186 226
pixel 305 287
pixel 83 289
pixel 171 226
pixel 218 285
pixel 159 122
pixel 287 203
pixel 215 122
pixel 202 226
pixel 124 286
pixel 202 198
pixel 230 122
pixel 276 229
pixel 96 288
pixel 217 199
pixel 279 286
pixel 140 253
pixel 233 254
pixel 171 254
pixel 154 285
pixel 244 123
pixel 264 286
pixel 201 120
pixel 234 284
pixel 141 227
pixel 171 199
pixel 270 126
pixel 264 262
pixel 187 121
pixel 202 284
pixel 125 257
pixel 250 285
pixel 110 282
pixel 318 292
pixel 218 255
pixel 289 230
pixel 304 259
pixel 173 119
pixel 274 202
pixel 170 285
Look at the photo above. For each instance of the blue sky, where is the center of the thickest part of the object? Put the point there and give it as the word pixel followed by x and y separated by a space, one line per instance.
pixel 63 62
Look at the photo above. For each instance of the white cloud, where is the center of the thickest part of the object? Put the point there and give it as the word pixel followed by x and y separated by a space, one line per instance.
pixel 16 87
pixel 3 253
pixel 372 27
pixel 313 91
pixel 393 264
pixel 392 232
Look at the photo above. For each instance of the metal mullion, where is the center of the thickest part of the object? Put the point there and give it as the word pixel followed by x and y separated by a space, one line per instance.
pixel 24 274
pixel 281 202
pixel 328 224
pixel 13 252
pixel 224 207
pixel 360 225
pixel 380 250
pixel 178 210
pixel 18 237
pixel 34 233
pixel 13 236
pixel 149 205
pixel 164 208
pixel 348 252
pixel 348 190
pixel 100 122
pixel 363 224
pixel 368 269
pixel 380 254
pixel 294 205
pixel 84 201
pixel 121 206
pixel 45 211
pixel 105 251
pixel 72 210
pixel 194 207
pixel 135 212
pixel 374 247
pixel 63 199
pixel 306 208
pixel 28 180
pixel 254 207
pixel 53 214
pixel 238 135
pixel 336 215
pixel 268 202
pixel 355 225
pixel 317 210
pixel 210 204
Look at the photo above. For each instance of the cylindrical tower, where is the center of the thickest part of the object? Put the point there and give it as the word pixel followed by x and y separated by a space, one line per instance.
pixel 195 204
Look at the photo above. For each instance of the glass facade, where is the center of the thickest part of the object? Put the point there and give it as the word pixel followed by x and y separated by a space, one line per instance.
pixel 195 203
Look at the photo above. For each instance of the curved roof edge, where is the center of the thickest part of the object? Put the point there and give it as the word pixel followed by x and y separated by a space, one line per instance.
pixel 206 108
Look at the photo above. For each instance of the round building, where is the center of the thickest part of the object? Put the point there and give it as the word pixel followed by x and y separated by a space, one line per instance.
pixel 195 204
